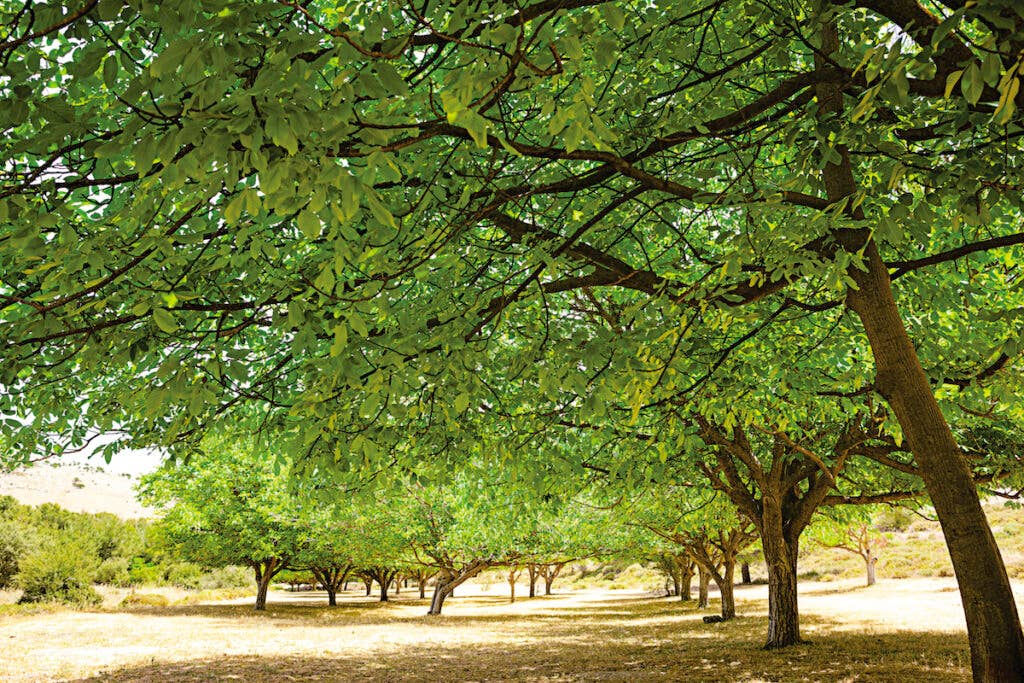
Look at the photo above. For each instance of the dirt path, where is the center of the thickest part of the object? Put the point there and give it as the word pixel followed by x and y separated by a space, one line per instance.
pixel 896 631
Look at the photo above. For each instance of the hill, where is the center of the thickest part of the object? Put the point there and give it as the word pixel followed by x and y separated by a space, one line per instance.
pixel 77 487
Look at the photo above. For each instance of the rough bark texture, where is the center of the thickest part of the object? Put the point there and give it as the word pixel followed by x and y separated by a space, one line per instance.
pixel 783 613
pixel 703 579
pixel 870 561
pixel 993 625
pixel 745 573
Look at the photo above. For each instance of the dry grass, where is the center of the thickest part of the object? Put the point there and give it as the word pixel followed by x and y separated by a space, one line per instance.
pixel 896 631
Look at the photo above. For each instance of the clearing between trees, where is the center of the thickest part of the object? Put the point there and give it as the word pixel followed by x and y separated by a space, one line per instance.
pixel 898 630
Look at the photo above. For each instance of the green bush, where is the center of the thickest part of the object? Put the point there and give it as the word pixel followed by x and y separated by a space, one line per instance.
pixel 113 571
pixel 141 572
pixel 184 575
pixel 226 577
pixel 60 570
pixel 13 546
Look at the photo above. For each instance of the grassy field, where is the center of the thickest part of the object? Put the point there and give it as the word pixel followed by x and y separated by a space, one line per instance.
pixel 895 631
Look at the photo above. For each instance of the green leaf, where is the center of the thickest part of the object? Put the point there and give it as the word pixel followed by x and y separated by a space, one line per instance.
pixel 110 68
pixel 164 319
pixel 309 224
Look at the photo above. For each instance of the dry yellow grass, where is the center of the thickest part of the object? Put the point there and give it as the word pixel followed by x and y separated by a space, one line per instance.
pixel 896 631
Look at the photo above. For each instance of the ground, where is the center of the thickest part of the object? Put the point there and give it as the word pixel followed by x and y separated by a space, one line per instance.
pixel 896 631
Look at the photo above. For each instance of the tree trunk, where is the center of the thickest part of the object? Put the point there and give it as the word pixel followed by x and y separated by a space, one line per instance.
pixel 512 576
pixel 993 626
pixel 532 571
pixel 677 579
pixel 725 589
pixel 745 573
pixel 265 572
pixel 383 589
pixel 398 587
pixel 686 580
pixel 369 586
pixel 703 579
pixel 783 613
pixel 870 560
pixel 441 591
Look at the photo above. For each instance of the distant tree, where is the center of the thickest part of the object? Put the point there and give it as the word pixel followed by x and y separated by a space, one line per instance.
pixel 227 505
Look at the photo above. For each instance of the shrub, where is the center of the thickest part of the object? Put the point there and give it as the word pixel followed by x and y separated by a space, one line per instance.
pixel 114 571
pixel 226 577
pixel 60 570
pixel 141 572
pixel 184 575
pixel 13 546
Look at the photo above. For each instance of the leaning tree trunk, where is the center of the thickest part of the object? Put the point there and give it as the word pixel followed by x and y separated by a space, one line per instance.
pixel 703 579
pixel 993 626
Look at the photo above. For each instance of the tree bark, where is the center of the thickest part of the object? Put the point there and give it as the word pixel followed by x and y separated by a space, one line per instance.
pixel 870 560
pixel 369 586
pixel 783 613
pixel 686 570
pixel 446 582
pixel 265 572
pixel 703 579
pixel 532 571
pixel 725 589
pixel 745 573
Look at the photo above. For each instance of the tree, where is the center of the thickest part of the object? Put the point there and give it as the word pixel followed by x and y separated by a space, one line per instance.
pixel 853 536
pixel 226 505
pixel 468 173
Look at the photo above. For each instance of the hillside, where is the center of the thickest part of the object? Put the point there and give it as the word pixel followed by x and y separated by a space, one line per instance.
pixel 76 487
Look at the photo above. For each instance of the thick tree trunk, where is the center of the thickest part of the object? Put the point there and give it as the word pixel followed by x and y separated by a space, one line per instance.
pixel 369 586
pixel 745 573
pixel 783 613
pixel 870 561
pixel 686 570
pixel 703 579
pixel 332 596
pixel 725 589
pixel 383 590
pixel 993 626
pixel 532 571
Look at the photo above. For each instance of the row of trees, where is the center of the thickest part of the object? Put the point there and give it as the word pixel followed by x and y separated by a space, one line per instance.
pixel 232 504
pixel 773 245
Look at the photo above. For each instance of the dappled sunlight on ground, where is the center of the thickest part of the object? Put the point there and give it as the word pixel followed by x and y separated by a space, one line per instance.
pixel 592 635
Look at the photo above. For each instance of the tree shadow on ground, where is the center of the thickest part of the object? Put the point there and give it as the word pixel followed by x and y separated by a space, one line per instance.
pixel 654 643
